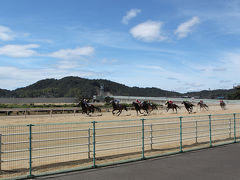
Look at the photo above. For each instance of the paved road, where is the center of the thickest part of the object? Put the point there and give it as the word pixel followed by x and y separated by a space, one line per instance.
pixel 220 163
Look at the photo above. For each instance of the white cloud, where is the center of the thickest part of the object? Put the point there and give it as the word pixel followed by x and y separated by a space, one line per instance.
pixel 151 67
pixel 193 84
pixel 108 61
pixel 19 50
pixel 72 53
pixel 148 31
pixel 27 51
pixel 65 64
pixel 130 14
pixel 185 28
pixel 225 81
pixel 6 33
pixel 219 69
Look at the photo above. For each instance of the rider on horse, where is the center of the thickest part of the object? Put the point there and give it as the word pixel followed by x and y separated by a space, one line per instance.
pixel 116 101
pixel 170 102
pixel 139 103
pixel 85 103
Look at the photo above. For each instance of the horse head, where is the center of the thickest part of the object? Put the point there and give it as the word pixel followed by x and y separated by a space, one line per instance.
pixel 184 102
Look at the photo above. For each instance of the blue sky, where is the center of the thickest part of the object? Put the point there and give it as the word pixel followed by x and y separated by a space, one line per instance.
pixel 177 45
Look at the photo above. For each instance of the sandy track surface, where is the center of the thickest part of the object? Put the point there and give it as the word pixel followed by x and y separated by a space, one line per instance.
pixel 102 156
pixel 107 116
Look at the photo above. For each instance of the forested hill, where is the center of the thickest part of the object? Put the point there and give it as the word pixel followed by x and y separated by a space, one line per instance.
pixel 81 87
pixel 214 94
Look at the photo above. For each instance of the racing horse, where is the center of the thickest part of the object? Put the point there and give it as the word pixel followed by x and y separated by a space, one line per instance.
pixel 88 108
pixel 171 106
pixel 223 105
pixel 153 106
pixel 144 106
pixel 118 107
pixel 188 105
pixel 202 106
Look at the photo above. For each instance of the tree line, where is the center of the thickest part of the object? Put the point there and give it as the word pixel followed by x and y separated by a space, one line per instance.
pixel 82 87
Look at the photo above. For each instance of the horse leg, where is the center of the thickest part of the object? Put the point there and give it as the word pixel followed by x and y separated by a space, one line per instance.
pixel 113 112
pixel 146 111
pixel 119 112
pixel 206 107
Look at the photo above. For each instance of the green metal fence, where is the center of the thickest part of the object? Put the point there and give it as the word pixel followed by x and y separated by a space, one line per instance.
pixel 41 149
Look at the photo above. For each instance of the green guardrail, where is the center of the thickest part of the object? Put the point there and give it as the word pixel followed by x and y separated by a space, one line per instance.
pixel 94 160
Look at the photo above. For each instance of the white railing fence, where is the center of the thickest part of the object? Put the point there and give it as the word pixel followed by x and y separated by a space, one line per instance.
pixel 35 149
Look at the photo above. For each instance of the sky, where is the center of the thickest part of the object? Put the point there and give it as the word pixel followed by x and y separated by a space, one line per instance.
pixel 177 45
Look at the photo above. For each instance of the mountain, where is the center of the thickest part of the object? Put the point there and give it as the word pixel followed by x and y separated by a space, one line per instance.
pixel 214 94
pixel 5 93
pixel 81 87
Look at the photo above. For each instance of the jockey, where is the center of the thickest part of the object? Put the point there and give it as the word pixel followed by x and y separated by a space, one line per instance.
pixel 139 102
pixel 116 101
pixel 85 103
pixel 170 102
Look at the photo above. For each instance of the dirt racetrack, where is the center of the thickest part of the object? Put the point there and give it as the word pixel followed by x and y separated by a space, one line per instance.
pixel 43 163
pixel 105 116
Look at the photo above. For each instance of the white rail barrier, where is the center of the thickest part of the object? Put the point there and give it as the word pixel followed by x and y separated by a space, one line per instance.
pixel 109 139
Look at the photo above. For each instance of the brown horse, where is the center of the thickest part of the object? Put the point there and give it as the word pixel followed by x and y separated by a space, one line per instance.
pixel 88 108
pixel 188 106
pixel 202 106
pixel 153 106
pixel 171 106
pixel 144 106
pixel 118 107
pixel 223 105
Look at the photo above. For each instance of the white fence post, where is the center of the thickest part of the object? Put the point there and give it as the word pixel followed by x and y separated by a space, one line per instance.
pixel 151 137
pixel 89 143
pixel 196 131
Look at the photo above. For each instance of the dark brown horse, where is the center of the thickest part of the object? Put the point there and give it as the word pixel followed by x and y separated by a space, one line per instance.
pixel 118 107
pixel 223 105
pixel 144 106
pixel 88 108
pixel 188 105
pixel 202 106
pixel 153 106
pixel 171 106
